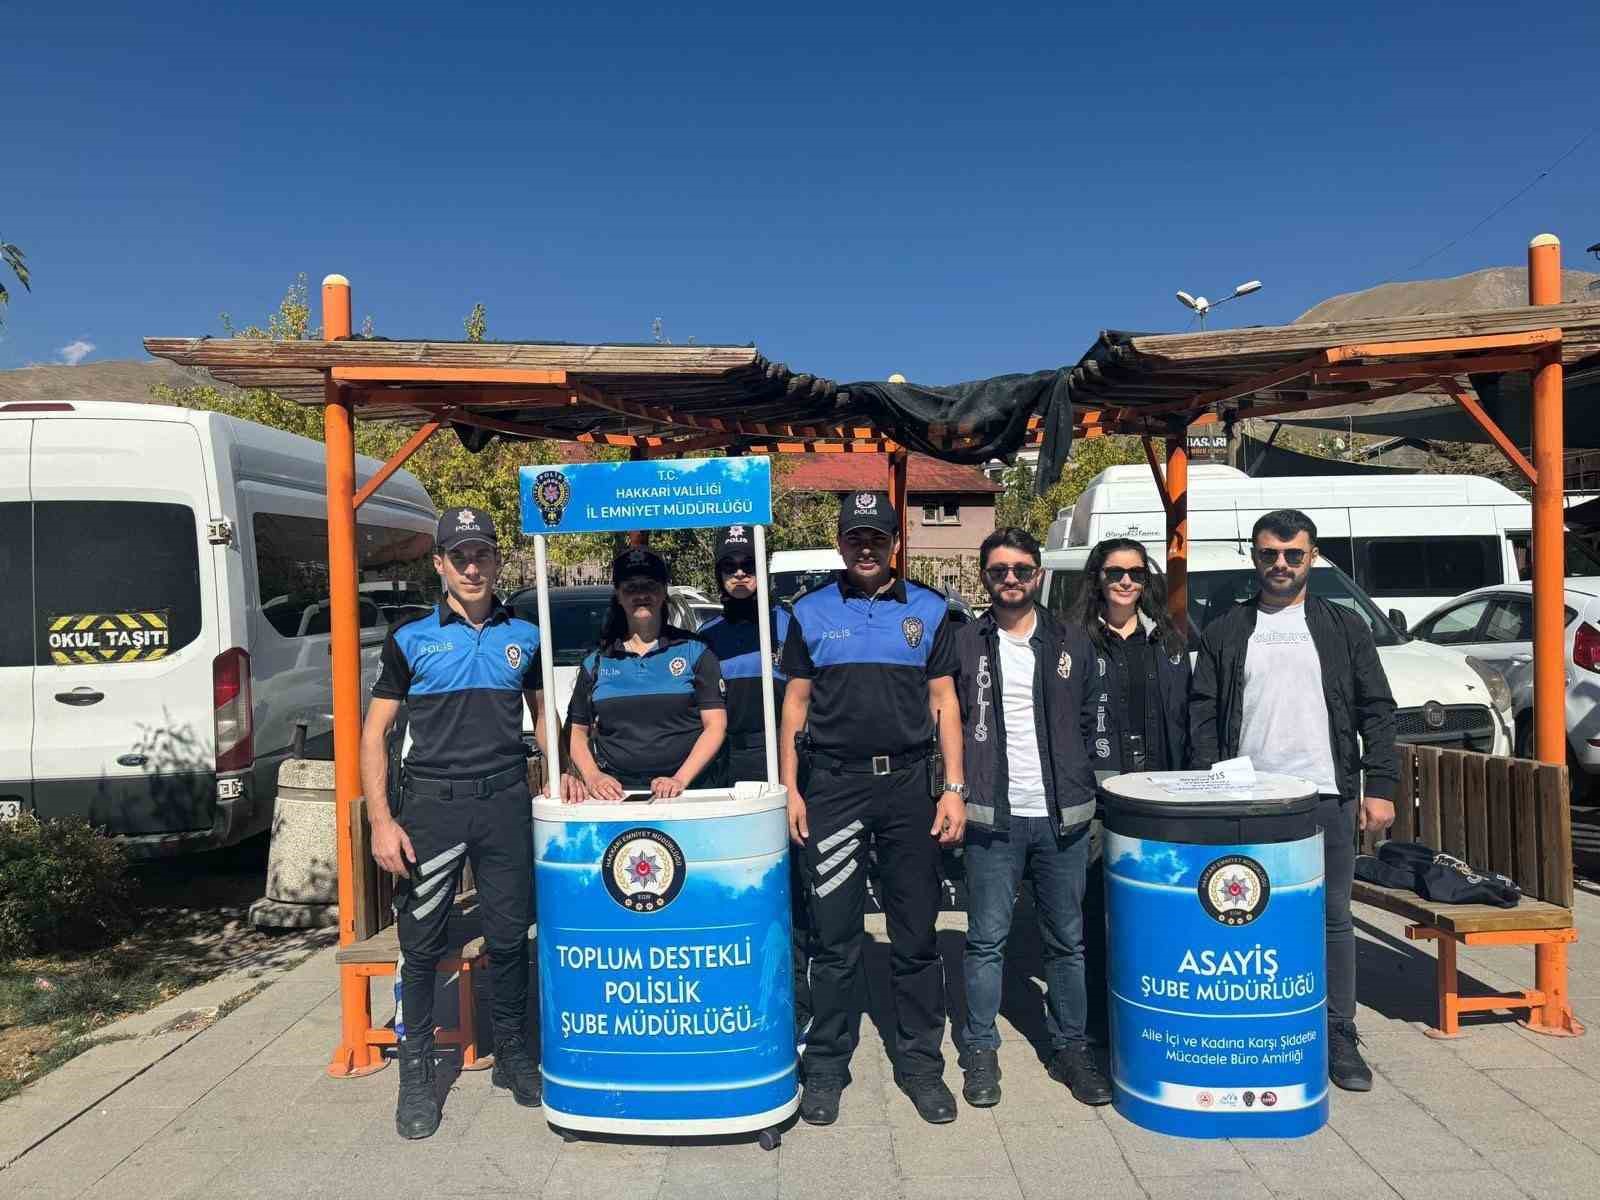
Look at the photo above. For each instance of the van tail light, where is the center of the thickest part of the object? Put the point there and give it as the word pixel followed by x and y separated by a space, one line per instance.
pixel 230 702
pixel 1586 647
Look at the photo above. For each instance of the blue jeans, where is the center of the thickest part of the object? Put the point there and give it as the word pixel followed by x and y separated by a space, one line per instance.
pixel 996 865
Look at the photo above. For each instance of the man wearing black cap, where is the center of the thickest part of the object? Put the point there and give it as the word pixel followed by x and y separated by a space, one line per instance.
pixel 871 662
pixel 736 641
pixel 464 671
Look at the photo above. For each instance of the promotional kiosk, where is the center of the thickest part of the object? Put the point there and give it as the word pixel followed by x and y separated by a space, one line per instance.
pixel 1217 954
pixel 665 977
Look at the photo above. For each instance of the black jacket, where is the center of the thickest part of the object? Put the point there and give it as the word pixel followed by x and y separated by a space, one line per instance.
pixel 1063 660
pixel 1107 718
pixel 1353 683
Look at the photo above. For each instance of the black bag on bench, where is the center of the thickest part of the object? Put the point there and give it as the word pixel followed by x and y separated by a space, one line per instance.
pixel 1442 878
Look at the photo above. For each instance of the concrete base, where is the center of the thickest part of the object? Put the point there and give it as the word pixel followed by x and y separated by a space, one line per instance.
pixel 302 873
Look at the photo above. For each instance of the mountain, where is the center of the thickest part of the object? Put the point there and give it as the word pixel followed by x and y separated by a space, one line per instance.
pixel 128 381
pixel 1495 287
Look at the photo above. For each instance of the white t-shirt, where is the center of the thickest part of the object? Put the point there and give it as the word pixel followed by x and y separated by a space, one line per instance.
pixel 1023 767
pixel 1285 727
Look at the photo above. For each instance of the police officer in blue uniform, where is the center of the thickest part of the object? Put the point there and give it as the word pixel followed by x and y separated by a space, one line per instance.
pixel 464 671
pixel 648 712
pixel 870 660
pixel 735 639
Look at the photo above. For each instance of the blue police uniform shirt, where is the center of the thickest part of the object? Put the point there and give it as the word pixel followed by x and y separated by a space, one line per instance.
pixel 643 710
pixel 463 689
pixel 737 644
pixel 869 660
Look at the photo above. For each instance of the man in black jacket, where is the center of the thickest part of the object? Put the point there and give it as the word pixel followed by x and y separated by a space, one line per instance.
pixel 1250 697
pixel 1024 681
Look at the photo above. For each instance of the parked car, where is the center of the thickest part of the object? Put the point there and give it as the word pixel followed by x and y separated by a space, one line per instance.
pixel 1443 697
pixel 1495 626
pixel 165 626
pixel 1410 541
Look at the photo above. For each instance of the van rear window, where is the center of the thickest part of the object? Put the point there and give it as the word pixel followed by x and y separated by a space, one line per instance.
pixel 395 566
pixel 133 566
pixel 16 597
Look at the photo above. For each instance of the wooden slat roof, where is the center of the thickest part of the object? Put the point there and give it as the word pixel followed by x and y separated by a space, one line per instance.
pixel 1149 375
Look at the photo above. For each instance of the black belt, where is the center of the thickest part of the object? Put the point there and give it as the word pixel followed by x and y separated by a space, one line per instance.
pixel 878 764
pixel 464 789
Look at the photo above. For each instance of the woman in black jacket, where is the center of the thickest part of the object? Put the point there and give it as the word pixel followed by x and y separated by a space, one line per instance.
pixel 1138 719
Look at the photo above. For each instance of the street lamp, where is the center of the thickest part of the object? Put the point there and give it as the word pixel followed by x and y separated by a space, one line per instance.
pixel 1202 306
pixel 1595 249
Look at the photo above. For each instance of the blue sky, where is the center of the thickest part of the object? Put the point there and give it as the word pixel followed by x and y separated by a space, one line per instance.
pixel 948 191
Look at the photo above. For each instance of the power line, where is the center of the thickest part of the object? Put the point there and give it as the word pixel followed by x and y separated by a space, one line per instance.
pixel 1533 183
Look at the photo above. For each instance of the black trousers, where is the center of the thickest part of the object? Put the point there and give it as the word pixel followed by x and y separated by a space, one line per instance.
pixel 750 762
pixel 495 834
pixel 845 812
pixel 1339 819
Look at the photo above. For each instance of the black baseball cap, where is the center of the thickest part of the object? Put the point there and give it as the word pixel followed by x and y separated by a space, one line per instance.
pixel 458 526
pixel 636 560
pixel 736 541
pixel 868 510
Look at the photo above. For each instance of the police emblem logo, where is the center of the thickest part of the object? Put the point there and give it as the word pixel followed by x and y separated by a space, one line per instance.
pixel 551 491
pixel 466 520
pixel 643 870
pixel 1064 665
pixel 678 666
pixel 514 657
pixel 912 628
pixel 866 502
pixel 736 533
pixel 1234 889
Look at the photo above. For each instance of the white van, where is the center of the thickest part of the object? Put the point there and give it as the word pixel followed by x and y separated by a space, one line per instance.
pixel 1410 541
pixel 1443 697
pixel 165 615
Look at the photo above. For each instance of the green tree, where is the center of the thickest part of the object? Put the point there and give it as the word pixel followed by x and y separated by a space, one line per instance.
pixel 1018 505
pixel 12 256
pixel 477 323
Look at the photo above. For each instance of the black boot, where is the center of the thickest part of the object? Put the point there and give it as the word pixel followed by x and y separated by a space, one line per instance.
pixel 417 1113
pixel 933 1100
pixel 981 1087
pixel 514 1069
pixel 1346 1067
pixel 1074 1065
pixel 819 1103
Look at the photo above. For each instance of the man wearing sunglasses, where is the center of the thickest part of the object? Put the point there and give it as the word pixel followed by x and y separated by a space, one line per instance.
pixel 1251 696
pixel 1024 686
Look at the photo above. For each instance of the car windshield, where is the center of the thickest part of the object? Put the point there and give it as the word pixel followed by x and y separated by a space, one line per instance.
pixel 1212 593
pixel 786 585
pixel 577 621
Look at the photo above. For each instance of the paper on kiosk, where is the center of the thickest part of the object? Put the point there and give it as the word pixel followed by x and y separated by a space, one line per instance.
pixel 1230 775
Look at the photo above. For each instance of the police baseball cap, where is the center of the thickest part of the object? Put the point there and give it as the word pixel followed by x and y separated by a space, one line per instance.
pixel 458 526
pixel 868 510
pixel 639 561
pixel 736 541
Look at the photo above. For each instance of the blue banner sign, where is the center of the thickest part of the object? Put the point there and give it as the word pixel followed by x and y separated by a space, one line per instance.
pixel 683 493
pixel 1218 986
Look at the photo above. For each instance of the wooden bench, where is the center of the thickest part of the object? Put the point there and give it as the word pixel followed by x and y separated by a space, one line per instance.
pixel 375 952
pixel 1511 816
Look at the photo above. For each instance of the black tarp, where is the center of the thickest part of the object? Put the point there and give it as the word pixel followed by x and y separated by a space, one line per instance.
pixel 1263 460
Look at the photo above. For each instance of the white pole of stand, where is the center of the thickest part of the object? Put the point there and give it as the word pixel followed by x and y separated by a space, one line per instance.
pixel 547 671
pixel 764 625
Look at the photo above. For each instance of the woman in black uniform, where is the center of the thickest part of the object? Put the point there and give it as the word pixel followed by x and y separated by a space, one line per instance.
pixel 647 713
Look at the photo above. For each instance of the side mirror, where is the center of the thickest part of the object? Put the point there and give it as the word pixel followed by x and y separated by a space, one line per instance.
pixel 1398 620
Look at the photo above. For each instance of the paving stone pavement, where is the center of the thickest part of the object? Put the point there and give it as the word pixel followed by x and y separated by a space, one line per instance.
pixel 244 1109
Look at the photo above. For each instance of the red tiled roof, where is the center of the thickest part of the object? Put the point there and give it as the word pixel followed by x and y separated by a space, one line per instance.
pixel 859 472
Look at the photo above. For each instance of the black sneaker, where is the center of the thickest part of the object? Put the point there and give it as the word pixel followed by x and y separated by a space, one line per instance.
pixel 981 1086
pixel 514 1069
pixel 1074 1065
pixel 1346 1067
pixel 935 1103
pixel 819 1102
pixel 416 1115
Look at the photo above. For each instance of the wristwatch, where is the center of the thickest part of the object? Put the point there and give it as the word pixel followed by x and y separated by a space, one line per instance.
pixel 960 789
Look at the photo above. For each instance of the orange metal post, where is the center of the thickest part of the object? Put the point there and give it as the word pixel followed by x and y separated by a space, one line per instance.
pixel 1549 676
pixel 898 465
pixel 354 1056
pixel 1177 504
pixel 413 444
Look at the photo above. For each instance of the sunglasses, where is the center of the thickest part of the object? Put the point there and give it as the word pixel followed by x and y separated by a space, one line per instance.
pixel 1139 575
pixel 1023 571
pixel 1267 557
pixel 743 566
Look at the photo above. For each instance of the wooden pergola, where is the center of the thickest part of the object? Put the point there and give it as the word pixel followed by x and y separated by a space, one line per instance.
pixel 660 401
